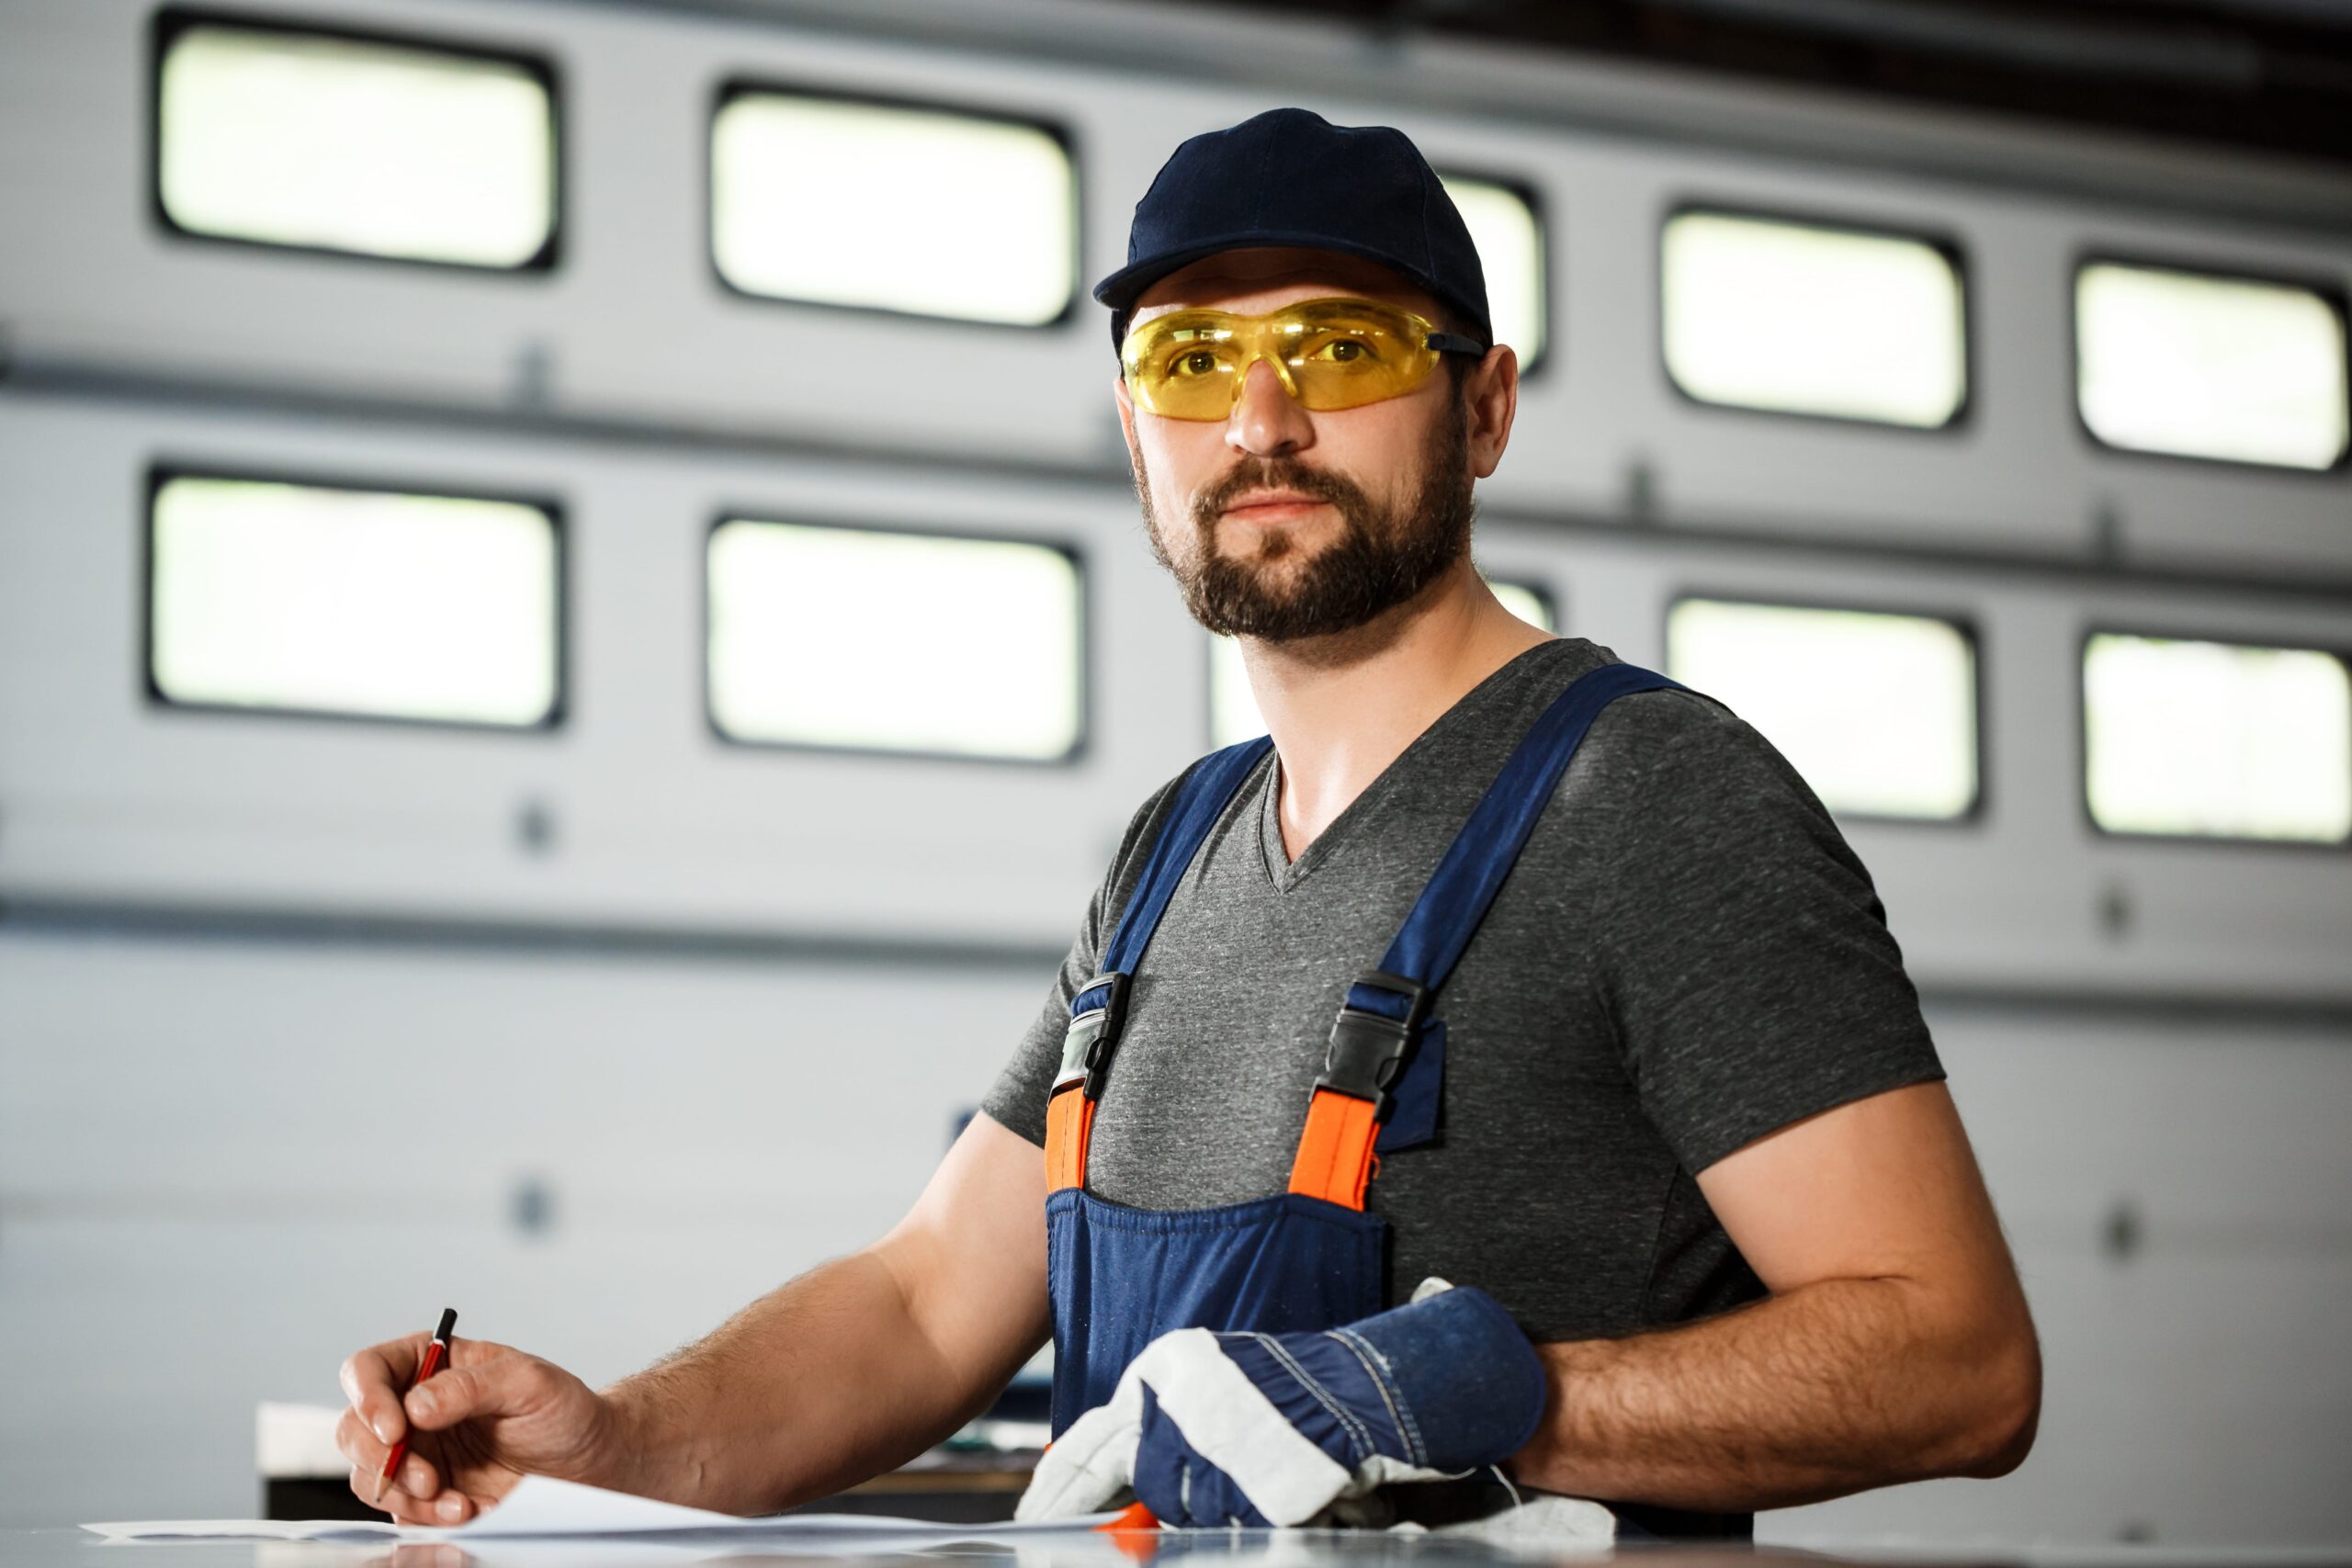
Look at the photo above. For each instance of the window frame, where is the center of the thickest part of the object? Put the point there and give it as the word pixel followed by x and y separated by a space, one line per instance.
pixel 1064 135
pixel 1977 815
pixel 1946 242
pixel 162 471
pixel 1535 371
pixel 169 22
pixel 1082 744
pixel 2330 292
pixel 2099 832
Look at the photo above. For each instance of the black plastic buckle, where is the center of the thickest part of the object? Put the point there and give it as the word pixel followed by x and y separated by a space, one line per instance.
pixel 1088 1042
pixel 1369 1049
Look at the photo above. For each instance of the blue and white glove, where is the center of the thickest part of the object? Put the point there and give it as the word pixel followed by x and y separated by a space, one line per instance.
pixel 1272 1428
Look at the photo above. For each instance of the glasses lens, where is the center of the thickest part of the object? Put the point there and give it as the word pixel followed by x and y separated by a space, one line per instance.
pixel 1345 352
pixel 1333 353
pixel 1187 366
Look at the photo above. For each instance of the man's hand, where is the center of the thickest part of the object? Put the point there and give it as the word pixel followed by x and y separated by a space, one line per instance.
pixel 491 1416
pixel 853 1368
pixel 1272 1430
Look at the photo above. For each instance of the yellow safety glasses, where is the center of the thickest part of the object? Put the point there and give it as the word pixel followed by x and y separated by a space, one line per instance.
pixel 1337 353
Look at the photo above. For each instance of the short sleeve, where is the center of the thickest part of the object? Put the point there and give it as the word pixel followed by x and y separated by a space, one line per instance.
pixel 1017 1100
pixel 1741 950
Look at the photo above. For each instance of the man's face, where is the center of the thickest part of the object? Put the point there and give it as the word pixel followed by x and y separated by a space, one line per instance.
pixel 1281 523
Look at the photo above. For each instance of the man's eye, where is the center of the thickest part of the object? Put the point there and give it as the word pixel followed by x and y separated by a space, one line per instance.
pixel 1344 350
pixel 1193 362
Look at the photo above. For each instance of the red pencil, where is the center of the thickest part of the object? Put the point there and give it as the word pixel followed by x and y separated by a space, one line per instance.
pixel 436 1355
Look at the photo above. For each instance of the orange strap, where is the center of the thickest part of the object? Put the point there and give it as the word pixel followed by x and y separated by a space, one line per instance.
pixel 1070 1122
pixel 1335 1161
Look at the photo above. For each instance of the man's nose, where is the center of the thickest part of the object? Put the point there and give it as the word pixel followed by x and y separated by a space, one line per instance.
pixel 1266 420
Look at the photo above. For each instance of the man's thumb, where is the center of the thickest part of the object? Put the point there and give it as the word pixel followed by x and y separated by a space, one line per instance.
pixel 445 1400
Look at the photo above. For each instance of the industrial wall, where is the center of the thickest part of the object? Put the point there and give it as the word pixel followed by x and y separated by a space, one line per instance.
pixel 308 1026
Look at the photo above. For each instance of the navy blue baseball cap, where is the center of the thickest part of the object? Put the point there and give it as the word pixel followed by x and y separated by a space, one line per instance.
pixel 1290 177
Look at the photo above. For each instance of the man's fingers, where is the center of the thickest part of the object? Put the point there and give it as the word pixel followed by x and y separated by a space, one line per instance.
pixel 403 1508
pixel 372 1380
pixel 357 1443
pixel 419 1479
pixel 450 1508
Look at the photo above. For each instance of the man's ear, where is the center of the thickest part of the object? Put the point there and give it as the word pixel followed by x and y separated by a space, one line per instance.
pixel 1127 414
pixel 1491 391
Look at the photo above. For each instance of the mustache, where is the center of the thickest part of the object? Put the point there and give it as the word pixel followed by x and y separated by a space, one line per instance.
pixel 1261 473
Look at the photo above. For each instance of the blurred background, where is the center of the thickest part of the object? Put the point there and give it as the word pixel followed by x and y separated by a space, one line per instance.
pixel 574 635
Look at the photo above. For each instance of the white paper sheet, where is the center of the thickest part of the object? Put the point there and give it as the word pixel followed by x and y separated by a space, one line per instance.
pixel 539 1507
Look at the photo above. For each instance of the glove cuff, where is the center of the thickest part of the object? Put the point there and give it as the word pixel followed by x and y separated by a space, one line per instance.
pixel 1462 1372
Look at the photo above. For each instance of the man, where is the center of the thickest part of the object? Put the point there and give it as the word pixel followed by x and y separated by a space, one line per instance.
pixel 1625 1172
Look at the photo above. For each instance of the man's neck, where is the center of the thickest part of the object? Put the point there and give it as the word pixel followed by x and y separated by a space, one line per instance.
pixel 1341 709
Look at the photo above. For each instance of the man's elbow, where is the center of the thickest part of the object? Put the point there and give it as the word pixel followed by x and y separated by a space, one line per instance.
pixel 2006 1407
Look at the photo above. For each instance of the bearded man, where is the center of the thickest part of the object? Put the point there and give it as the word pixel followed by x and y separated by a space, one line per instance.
pixel 1491 1100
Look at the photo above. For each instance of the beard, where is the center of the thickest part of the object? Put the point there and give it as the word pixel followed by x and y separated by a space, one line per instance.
pixel 1382 557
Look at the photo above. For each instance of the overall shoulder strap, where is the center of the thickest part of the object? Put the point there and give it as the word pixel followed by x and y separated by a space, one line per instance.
pixel 1099 1008
pixel 1200 797
pixel 1448 913
pixel 1383 1012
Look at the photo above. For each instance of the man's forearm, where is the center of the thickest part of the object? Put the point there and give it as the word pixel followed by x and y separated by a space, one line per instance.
pixel 1830 1388
pixel 816 1385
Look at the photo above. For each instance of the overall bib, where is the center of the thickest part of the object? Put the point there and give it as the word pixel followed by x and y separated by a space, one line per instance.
pixel 1309 1258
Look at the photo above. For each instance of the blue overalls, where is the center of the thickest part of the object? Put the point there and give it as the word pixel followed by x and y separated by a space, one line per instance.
pixel 1311 1257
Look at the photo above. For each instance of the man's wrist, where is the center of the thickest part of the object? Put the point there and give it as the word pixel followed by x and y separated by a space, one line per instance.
pixel 1548 1461
pixel 630 1450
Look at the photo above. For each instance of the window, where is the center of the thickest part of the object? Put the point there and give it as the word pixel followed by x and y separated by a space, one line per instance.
pixel 1877 710
pixel 876 639
pixel 1803 317
pixel 837 201
pixel 308 598
pixel 1529 603
pixel 2214 740
pixel 340 141
pixel 1510 236
pixel 1233 708
pixel 2201 366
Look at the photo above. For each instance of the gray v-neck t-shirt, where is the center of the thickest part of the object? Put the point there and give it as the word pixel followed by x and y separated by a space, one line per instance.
pixel 1686 957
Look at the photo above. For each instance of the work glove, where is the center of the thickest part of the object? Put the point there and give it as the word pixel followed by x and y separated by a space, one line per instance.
pixel 1272 1428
